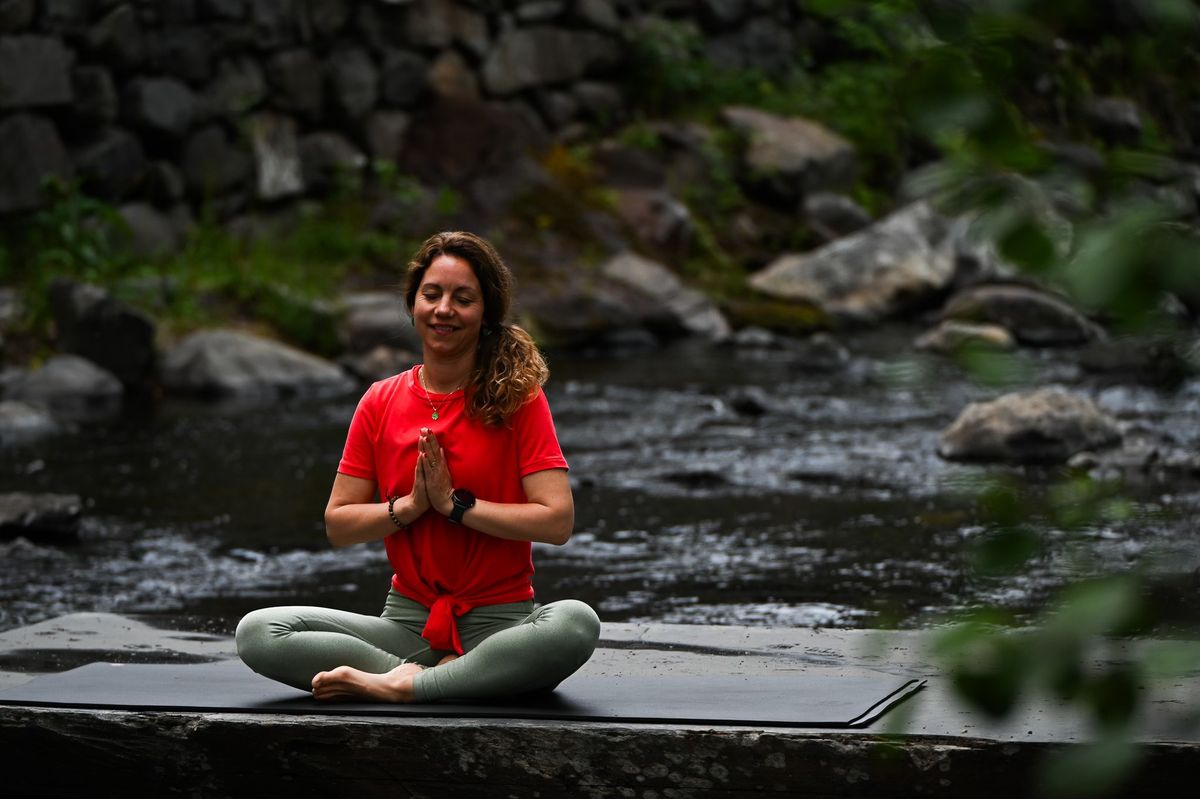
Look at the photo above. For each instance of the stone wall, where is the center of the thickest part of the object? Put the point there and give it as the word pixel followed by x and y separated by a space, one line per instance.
pixel 172 105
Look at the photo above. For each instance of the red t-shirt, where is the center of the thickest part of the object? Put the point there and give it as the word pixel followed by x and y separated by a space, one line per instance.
pixel 451 568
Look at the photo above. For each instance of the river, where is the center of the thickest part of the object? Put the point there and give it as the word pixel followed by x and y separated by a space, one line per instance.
pixel 712 485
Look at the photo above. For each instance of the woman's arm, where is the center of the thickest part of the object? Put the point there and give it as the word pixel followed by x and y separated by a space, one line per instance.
pixel 353 517
pixel 548 515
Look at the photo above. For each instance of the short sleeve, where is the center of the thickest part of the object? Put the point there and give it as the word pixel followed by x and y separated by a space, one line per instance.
pixel 358 456
pixel 536 439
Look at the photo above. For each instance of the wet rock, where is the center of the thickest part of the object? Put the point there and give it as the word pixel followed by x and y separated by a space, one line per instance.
pixel 683 308
pixel 69 385
pixel 1033 317
pixel 821 352
pixel 898 264
pixel 526 58
pixel 218 363
pixel 379 363
pixel 30 152
pixel 1142 458
pixel 951 336
pixel 788 157
pixel 697 480
pixel 35 71
pixel 50 518
pixel 373 319
pixel 21 423
pixel 1044 426
pixel 750 401
pixel 276 156
pixel 1158 361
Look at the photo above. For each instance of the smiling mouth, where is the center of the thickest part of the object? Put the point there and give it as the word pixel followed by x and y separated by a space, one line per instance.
pixel 443 328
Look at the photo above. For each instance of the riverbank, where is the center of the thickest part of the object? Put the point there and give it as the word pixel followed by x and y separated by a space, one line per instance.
pixel 929 746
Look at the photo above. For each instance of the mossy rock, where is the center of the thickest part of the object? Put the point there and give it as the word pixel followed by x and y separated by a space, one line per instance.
pixel 796 318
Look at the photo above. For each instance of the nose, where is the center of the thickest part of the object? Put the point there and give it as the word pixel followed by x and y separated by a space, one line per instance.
pixel 443 307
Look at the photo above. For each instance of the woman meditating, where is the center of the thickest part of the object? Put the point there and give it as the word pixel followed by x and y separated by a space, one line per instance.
pixel 456 466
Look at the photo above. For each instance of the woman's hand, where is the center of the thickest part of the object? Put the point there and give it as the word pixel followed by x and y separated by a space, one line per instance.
pixel 437 481
pixel 418 498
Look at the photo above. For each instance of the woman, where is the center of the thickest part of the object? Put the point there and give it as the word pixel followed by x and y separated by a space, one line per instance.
pixel 456 466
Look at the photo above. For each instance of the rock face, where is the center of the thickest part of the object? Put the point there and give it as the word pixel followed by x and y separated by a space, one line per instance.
pixel 525 58
pixel 68 384
pixel 1045 426
pixel 788 157
pixel 1033 317
pixel 232 363
pixel 30 152
pixel 47 517
pixel 902 262
pixel 106 331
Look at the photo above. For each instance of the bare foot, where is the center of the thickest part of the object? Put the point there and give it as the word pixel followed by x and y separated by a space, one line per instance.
pixel 345 682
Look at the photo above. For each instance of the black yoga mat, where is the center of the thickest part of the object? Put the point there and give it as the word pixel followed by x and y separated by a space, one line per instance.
pixel 810 698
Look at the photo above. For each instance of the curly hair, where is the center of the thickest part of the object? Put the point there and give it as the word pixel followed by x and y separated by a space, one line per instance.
pixel 509 368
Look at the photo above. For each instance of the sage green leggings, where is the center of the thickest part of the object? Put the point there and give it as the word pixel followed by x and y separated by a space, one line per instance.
pixel 508 649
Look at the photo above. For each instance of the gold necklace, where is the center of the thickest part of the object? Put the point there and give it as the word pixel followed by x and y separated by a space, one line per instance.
pixel 425 388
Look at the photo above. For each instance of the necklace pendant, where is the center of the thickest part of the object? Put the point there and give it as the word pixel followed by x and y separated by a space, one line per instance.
pixel 434 416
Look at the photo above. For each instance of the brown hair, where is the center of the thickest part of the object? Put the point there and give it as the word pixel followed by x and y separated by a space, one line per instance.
pixel 510 368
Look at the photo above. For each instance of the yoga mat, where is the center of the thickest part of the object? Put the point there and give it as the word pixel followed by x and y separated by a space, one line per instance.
pixel 787 699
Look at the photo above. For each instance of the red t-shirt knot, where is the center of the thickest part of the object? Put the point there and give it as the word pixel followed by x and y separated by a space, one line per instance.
pixel 441 628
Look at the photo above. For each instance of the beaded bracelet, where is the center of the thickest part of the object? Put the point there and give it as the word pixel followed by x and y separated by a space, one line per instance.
pixel 392 512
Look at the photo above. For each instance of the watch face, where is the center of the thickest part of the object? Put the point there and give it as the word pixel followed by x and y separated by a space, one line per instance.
pixel 463 497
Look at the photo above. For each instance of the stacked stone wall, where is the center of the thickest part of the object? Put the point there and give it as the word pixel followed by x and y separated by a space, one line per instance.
pixel 174 105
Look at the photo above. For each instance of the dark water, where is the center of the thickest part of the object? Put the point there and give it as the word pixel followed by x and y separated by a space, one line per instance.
pixel 711 485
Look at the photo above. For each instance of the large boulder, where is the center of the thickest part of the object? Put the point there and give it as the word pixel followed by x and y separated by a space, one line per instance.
pixel 70 385
pixel 94 324
pixel 1033 317
pixel 629 299
pixel 903 262
pixel 788 157
pixel 230 363
pixel 1044 426
pixel 370 319
pixel 45 517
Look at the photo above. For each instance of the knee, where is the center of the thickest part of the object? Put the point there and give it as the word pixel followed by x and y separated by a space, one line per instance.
pixel 253 635
pixel 579 624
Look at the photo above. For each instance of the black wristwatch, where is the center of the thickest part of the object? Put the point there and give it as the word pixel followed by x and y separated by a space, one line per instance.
pixel 463 501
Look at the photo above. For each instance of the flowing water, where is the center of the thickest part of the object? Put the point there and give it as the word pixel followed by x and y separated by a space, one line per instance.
pixel 712 486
